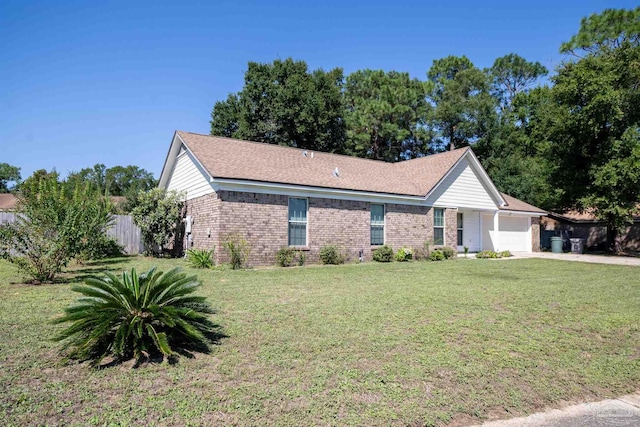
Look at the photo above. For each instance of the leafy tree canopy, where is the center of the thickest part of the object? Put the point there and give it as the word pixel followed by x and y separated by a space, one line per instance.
pixel 114 181
pixel 8 174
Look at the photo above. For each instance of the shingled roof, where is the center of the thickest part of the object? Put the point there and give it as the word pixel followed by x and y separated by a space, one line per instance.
pixel 237 159
pixel 8 202
pixel 228 158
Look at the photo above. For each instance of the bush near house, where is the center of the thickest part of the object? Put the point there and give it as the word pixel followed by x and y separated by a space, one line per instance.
pixel 449 252
pixel 200 258
pixel 436 255
pixel 493 254
pixel 238 249
pixel 403 254
pixel 157 213
pixel 331 254
pixel 288 256
pixel 383 254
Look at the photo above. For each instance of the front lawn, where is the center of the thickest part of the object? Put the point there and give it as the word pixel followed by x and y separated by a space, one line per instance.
pixel 422 343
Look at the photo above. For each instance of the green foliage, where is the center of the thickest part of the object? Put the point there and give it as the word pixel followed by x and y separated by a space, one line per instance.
pixel 436 255
pixel 285 256
pixel 331 254
pixel 302 258
pixel 385 114
pixel 403 254
pixel 505 254
pixel 512 74
pixel 422 253
pixel 464 109
pixel 487 254
pixel 200 258
pixel 283 103
pixel 55 224
pixel 100 247
pixel 157 213
pixel 238 250
pixel 449 252
pixel 136 316
pixel 466 251
pixel 114 181
pixel 383 254
pixel 8 174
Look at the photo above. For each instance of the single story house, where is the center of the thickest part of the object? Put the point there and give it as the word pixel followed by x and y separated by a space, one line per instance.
pixel 585 225
pixel 278 196
pixel 8 202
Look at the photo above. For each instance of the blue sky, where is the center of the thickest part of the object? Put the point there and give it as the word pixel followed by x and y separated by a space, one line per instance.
pixel 108 82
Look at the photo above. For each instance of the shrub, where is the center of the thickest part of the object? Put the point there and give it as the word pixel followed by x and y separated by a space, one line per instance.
pixel 200 258
pixel 157 213
pixel 331 254
pixel 136 316
pixel 403 254
pixel 466 251
pixel 487 254
pixel 421 254
pixel 383 254
pixel 238 250
pixel 449 252
pixel 436 255
pixel 301 258
pixel 505 254
pixel 100 248
pixel 56 224
pixel 285 256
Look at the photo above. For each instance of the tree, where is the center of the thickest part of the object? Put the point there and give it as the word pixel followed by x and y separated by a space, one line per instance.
pixel 283 103
pixel 115 181
pixel 598 146
pixel 385 115
pixel 8 174
pixel 158 215
pixel 512 74
pixel 55 224
pixel 464 110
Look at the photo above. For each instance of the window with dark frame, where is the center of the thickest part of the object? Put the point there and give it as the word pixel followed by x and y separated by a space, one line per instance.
pixel 438 227
pixel 377 224
pixel 297 221
pixel 460 229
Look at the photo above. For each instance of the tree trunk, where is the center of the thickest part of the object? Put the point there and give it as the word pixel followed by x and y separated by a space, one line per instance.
pixel 613 241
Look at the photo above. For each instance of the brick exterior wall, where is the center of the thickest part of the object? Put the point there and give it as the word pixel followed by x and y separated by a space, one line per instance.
pixel 262 219
pixel 535 234
pixel 451 227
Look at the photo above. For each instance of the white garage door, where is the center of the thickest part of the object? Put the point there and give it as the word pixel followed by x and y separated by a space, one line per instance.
pixel 514 234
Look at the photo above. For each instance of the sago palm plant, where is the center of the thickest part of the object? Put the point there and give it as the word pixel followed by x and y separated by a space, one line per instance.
pixel 136 316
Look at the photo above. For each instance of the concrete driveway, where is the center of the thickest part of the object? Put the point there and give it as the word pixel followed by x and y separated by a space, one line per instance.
pixel 598 259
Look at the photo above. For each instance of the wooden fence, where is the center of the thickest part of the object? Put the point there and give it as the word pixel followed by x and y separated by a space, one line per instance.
pixel 123 230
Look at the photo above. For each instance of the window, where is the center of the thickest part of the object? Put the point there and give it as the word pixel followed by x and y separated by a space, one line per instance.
pixel 438 227
pixel 377 224
pixel 460 227
pixel 297 222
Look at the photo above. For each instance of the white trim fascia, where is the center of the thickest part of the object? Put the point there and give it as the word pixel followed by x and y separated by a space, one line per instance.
pixel 172 158
pixel 307 191
pixel 521 213
pixel 484 178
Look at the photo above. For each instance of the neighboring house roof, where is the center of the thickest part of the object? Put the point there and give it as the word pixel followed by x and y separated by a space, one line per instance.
pixel 8 202
pixel 232 159
pixel 585 217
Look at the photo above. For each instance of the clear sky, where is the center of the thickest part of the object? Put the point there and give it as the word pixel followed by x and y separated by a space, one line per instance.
pixel 86 82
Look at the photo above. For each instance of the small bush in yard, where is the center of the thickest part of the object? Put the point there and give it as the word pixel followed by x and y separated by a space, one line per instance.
pixel 383 254
pixel 403 254
pixel 436 255
pixel 301 258
pixel 200 258
pixel 421 254
pixel 285 256
pixel 238 250
pixel 449 252
pixel 505 254
pixel 137 316
pixel 487 254
pixel 331 254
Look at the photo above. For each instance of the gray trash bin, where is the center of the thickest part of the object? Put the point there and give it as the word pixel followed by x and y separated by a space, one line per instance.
pixel 556 245
pixel 577 246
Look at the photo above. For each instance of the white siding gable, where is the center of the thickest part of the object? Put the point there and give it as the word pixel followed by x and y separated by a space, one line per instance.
pixel 188 176
pixel 462 188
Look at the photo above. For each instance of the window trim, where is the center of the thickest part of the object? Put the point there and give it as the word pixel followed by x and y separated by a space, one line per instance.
pixel 384 223
pixel 306 223
pixel 444 223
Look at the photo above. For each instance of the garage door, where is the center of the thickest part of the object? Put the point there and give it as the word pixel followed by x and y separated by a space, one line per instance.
pixel 514 234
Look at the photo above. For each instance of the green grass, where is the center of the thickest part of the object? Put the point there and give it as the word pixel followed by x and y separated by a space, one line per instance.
pixel 422 343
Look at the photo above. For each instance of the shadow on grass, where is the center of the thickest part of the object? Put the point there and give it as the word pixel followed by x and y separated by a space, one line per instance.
pixel 181 349
pixel 93 268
